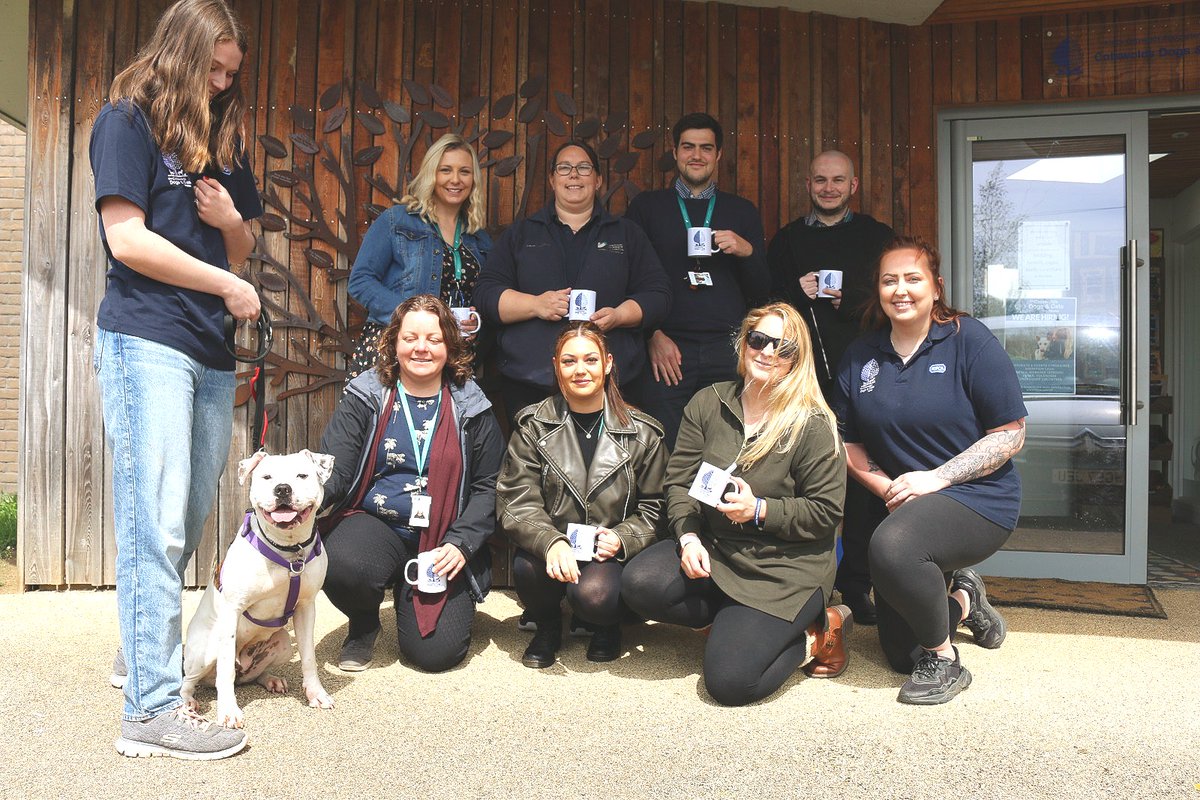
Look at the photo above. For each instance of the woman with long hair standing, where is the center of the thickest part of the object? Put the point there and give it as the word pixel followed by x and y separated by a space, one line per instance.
pixel 432 242
pixel 580 459
pixel 174 191
pixel 758 565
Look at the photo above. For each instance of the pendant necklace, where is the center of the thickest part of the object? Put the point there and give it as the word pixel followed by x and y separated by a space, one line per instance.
pixel 586 432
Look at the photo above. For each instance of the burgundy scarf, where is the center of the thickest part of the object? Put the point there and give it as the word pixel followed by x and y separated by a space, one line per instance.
pixel 445 474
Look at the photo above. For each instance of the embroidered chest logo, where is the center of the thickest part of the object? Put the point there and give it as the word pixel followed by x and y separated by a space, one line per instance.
pixel 175 173
pixel 611 247
pixel 870 372
pixel 937 369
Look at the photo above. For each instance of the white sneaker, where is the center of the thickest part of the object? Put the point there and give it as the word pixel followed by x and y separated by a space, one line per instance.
pixel 179 733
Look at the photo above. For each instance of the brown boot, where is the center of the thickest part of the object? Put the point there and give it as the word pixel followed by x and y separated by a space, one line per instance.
pixel 829 656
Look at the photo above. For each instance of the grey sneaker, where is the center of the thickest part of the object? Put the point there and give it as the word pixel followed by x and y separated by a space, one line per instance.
pixel 119 671
pixel 179 733
pixel 934 681
pixel 982 620
pixel 357 653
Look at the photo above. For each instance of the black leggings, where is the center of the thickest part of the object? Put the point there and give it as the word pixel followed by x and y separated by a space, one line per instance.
pixel 912 553
pixel 749 653
pixel 365 558
pixel 595 599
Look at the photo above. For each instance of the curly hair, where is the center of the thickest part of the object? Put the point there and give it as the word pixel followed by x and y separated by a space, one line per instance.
pixel 458 353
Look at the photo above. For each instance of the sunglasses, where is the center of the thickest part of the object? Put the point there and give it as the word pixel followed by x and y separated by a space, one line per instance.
pixel 757 340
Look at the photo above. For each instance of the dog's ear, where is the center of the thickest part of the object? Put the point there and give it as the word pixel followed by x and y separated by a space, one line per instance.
pixel 247 465
pixel 324 463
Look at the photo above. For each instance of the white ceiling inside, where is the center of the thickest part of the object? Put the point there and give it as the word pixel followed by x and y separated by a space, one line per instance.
pixel 906 12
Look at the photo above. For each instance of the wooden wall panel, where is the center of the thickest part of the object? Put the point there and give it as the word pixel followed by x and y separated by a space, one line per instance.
pixel 785 84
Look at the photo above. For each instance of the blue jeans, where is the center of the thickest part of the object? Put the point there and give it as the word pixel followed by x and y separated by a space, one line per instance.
pixel 168 419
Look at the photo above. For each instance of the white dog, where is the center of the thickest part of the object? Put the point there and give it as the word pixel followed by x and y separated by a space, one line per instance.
pixel 1043 347
pixel 272 571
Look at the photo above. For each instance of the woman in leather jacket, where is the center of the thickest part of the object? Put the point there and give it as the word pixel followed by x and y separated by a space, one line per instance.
pixel 580 458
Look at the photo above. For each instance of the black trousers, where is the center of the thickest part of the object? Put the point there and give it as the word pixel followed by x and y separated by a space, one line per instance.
pixel 749 653
pixel 912 554
pixel 707 359
pixel 365 558
pixel 595 599
pixel 862 515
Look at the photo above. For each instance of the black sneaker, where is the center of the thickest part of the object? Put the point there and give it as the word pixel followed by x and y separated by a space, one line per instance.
pixel 605 644
pixel 526 623
pixel 357 652
pixel 543 648
pixel 982 620
pixel 934 681
pixel 580 629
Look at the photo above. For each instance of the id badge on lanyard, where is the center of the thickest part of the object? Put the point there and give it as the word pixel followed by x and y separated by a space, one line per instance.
pixel 422 503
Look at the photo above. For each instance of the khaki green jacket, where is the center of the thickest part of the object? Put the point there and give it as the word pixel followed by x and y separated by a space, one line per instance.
pixel 544 484
pixel 776 569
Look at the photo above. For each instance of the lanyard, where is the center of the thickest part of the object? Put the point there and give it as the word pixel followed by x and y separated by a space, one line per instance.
pixel 456 248
pixel 687 220
pixel 422 455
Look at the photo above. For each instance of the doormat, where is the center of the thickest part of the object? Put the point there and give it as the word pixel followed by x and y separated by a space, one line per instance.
pixel 1089 597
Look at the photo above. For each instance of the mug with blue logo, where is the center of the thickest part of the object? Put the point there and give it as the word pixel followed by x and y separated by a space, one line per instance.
pixel 712 483
pixel 425 579
pixel 701 242
pixel 583 305
pixel 828 279
pixel 583 540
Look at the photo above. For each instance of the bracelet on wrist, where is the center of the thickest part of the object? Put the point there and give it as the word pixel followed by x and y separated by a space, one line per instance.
pixel 758 509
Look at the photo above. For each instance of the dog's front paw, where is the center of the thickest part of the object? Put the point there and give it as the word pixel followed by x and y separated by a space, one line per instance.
pixel 230 716
pixel 318 697
pixel 273 683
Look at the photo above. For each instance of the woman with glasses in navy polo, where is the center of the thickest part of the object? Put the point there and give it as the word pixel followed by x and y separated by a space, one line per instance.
pixel 932 413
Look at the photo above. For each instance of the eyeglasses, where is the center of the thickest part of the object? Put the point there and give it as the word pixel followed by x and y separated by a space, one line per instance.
pixel 584 168
pixel 757 340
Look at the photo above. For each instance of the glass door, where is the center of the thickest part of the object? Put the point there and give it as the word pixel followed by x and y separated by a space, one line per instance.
pixel 1048 215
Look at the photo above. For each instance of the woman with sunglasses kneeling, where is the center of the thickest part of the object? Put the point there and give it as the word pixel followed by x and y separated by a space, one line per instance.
pixel 580 493
pixel 757 566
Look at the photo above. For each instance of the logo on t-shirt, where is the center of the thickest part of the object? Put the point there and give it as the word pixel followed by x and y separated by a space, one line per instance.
pixel 176 176
pixel 937 369
pixel 611 247
pixel 870 372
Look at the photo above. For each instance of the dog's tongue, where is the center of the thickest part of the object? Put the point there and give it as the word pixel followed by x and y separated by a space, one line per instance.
pixel 283 515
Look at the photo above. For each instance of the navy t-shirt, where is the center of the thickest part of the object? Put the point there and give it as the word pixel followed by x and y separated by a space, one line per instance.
pixel 396 479
pixel 127 163
pixel 918 416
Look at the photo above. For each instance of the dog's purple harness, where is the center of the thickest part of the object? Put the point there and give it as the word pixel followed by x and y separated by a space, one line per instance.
pixel 295 569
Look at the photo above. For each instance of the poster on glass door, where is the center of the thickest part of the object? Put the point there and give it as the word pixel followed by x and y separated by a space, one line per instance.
pixel 1039 337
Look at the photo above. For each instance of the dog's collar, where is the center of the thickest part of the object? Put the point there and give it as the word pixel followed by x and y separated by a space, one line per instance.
pixel 294 567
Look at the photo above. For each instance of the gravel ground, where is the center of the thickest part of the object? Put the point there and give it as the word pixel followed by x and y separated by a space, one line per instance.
pixel 1073 705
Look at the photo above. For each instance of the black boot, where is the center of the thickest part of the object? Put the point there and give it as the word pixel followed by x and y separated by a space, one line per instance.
pixel 605 644
pixel 545 643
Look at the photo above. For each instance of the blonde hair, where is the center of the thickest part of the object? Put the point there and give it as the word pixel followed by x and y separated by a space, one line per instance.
pixel 795 398
pixel 168 80
pixel 419 197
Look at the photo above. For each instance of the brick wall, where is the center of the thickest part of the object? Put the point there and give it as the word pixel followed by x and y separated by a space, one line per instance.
pixel 12 234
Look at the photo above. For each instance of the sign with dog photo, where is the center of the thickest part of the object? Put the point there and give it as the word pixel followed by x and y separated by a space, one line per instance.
pixel 1039 337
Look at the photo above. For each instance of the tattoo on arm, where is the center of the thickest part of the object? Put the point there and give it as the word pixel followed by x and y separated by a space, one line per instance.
pixel 873 467
pixel 984 457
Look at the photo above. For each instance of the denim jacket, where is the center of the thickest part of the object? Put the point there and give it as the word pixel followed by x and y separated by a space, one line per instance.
pixel 401 256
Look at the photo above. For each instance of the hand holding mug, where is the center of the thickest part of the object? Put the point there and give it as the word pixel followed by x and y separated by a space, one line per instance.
pixel 738 506
pixel 448 561
pixel 608 544
pixel 729 242
pixel 809 284
pixel 552 306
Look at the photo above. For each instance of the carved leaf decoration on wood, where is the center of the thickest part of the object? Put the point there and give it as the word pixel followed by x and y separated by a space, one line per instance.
pixel 272 146
pixel 507 166
pixel 588 128
pixel 271 281
pixel 609 147
pixel 624 162
pixel 305 142
pixel 532 86
pixel 471 108
pixel 440 96
pixel 367 156
pixel 330 97
pixel 374 210
pixel 370 122
pixel 529 111
pixel 645 139
pixel 242 394
pixel 566 104
pixel 398 113
pixel 418 93
pixel 497 139
pixel 666 162
pixel 283 177
pixel 272 222
pixel 318 258
pixel 434 119
pixel 555 125
pixel 334 120
pixel 615 121
pixel 631 190
pixel 501 107
pixel 367 93
pixel 303 118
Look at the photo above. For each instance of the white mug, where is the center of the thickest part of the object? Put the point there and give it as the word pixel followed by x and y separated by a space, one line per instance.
pixel 426 580
pixel 700 242
pixel 583 540
pixel 711 483
pixel 463 314
pixel 828 279
pixel 583 305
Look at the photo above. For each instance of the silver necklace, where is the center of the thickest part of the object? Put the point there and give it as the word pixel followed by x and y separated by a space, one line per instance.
pixel 586 432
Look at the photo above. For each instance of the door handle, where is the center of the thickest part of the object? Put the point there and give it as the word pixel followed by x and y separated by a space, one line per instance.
pixel 1130 404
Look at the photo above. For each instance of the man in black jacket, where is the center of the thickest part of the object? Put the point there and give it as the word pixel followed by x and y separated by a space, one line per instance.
pixel 834 237
pixel 692 348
